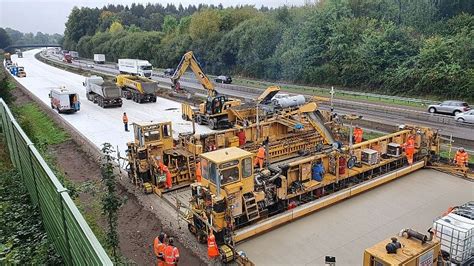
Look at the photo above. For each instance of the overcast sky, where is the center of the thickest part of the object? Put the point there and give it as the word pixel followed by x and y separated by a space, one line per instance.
pixel 49 16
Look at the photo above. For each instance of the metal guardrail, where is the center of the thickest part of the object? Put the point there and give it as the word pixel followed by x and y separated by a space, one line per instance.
pixel 66 228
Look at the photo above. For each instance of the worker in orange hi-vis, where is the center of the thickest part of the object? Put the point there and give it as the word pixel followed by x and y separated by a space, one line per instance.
pixel 212 250
pixel 461 158
pixel 159 248
pixel 260 157
pixel 409 146
pixel 171 253
pixel 198 171
pixel 164 170
pixel 169 181
pixel 125 121
pixel 358 134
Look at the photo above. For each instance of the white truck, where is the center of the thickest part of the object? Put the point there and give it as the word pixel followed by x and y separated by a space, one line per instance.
pixel 74 54
pixel 104 93
pixel 99 58
pixel 64 101
pixel 135 67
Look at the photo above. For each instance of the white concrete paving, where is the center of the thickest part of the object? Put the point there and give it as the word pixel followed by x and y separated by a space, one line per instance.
pixel 344 230
pixel 97 124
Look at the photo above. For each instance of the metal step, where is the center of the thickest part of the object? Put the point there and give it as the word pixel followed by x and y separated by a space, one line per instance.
pixel 251 208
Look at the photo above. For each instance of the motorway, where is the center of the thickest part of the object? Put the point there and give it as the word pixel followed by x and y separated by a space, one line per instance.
pixel 390 116
pixel 342 230
pixel 98 124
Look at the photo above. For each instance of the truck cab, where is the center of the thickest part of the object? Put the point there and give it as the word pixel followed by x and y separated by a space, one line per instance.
pixel 64 101
pixel 20 72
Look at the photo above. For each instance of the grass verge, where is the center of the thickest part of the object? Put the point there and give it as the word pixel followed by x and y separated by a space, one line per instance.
pixel 23 239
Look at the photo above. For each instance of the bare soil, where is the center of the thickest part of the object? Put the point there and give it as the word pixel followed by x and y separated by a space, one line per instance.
pixel 137 226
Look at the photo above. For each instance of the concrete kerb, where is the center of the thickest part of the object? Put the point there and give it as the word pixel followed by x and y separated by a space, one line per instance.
pixel 153 203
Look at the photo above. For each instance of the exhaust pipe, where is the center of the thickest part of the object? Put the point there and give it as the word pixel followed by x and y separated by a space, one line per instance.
pixel 409 233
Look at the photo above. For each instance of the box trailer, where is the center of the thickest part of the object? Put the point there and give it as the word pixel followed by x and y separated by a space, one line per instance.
pixel 135 67
pixel 99 58
pixel 74 54
pixel 64 101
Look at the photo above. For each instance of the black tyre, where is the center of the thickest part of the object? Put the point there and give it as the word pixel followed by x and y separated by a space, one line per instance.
pixel 432 110
pixel 456 112
pixel 199 120
pixel 213 123
pixel 460 120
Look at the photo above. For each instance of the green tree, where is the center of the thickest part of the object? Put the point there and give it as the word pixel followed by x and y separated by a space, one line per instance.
pixel 169 24
pixel 111 202
pixel 4 38
pixel 115 27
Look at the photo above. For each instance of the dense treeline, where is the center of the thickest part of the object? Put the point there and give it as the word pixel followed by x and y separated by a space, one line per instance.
pixel 13 37
pixel 404 47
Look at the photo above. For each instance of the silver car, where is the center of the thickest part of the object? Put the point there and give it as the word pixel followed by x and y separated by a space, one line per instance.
pixel 449 107
pixel 466 117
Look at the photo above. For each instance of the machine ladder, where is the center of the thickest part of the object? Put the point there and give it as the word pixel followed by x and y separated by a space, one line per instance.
pixel 251 208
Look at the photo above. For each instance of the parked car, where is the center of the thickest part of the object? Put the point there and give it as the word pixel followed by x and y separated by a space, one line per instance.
pixel 169 71
pixel 449 107
pixel 466 117
pixel 223 79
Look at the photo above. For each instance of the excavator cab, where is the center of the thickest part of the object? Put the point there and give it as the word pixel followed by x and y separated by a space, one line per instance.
pixel 215 105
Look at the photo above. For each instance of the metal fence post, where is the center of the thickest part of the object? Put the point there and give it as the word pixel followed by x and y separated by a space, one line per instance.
pixel 63 216
pixel 34 179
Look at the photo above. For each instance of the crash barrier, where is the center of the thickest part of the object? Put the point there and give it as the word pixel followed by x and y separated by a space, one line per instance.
pixel 66 228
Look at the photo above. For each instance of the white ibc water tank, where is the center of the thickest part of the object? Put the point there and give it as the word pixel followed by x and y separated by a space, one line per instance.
pixel 290 101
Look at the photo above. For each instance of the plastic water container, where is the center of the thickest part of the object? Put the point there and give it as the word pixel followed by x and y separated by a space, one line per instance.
pixel 317 172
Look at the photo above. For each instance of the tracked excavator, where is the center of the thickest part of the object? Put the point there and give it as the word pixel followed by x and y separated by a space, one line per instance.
pixel 213 112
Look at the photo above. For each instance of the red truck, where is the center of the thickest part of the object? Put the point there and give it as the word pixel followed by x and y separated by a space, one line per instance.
pixel 67 58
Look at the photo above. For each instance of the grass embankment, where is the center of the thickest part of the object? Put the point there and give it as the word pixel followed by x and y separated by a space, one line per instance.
pixel 44 133
pixel 23 239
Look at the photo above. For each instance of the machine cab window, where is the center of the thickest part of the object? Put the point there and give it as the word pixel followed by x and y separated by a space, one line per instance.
pixel 226 166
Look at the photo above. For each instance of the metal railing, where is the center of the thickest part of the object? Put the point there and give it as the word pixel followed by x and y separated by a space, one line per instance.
pixel 66 228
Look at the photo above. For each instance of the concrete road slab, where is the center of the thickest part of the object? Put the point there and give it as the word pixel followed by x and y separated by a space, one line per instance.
pixel 344 230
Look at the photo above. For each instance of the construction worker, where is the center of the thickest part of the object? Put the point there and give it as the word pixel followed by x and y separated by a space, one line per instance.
pixel 358 134
pixel 125 121
pixel 461 158
pixel 198 171
pixel 169 181
pixel 260 157
pixel 410 149
pixel 212 250
pixel 171 253
pixel 159 248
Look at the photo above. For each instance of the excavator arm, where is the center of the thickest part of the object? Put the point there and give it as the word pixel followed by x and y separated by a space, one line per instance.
pixel 189 60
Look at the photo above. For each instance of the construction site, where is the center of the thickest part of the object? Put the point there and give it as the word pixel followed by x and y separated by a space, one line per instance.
pixel 278 174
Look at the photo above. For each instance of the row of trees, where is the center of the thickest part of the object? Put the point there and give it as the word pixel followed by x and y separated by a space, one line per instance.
pixel 10 36
pixel 393 46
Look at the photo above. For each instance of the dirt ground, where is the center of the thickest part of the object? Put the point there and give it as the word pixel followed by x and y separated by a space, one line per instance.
pixel 137 226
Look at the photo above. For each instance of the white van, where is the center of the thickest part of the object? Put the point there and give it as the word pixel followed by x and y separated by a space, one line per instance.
pixel 64 101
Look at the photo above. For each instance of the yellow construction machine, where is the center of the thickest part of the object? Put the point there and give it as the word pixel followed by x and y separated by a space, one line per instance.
pixel 408 248
pixel 286 135
pixel 153 146
pixel 213 112
pixel 237 201
pixel 139 89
